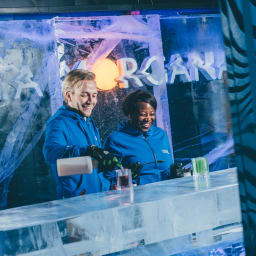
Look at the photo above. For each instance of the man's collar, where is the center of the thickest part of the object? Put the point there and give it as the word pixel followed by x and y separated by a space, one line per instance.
pixel 74 110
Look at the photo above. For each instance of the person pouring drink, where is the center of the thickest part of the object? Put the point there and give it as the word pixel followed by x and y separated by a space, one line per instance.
pixel 138 143
pixel 71 132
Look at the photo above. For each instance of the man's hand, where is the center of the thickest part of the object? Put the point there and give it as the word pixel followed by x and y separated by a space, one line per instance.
pixel 107 161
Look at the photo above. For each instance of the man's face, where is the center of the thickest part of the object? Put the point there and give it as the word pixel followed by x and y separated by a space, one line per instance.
pixel 83 97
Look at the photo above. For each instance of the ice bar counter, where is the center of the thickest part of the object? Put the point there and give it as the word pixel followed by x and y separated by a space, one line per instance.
pixel 164 218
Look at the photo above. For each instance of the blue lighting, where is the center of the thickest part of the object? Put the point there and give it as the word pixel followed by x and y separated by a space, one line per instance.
pixel 162 13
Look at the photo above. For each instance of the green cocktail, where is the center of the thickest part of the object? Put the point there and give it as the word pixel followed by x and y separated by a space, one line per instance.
pixel 200 172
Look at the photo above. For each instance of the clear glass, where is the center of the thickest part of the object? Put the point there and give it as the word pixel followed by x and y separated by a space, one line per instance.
pixel 200 172
pixel 124 179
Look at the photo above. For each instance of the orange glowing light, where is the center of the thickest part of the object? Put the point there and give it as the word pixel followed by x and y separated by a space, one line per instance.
pixel 106 72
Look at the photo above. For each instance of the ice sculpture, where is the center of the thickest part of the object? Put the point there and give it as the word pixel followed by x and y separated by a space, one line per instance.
pixel 28 66
pixel 199 104
pixel 133 43
pixel 171 215
pixel 24 81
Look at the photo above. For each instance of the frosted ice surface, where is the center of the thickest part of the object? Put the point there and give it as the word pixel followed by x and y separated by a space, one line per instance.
pixel 114 221
pixel 28 68
pixel 87 40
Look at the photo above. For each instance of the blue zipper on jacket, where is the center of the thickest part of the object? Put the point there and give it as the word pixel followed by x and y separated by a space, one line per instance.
pixel 154 154
pixel 93 140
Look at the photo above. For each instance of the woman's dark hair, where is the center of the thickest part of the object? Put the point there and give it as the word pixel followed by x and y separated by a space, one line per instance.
pixel 130 103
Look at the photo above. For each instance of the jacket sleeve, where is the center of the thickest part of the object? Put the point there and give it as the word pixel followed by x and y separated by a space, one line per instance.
pixel 56 145
pixel 112 148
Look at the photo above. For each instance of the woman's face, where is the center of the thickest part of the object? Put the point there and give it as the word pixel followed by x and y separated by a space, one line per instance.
pixel 144 117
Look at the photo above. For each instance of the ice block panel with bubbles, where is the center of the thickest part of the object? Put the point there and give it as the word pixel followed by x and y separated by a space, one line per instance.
pixel 170 212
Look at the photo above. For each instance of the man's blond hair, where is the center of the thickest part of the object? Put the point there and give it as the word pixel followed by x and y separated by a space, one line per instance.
pixel 73 78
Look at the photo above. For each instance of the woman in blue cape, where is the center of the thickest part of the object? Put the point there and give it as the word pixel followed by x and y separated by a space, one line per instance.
pixel 138 143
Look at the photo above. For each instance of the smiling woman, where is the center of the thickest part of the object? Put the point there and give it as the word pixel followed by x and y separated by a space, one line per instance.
pixel 140 107
pixel 144 117
pixel 141 146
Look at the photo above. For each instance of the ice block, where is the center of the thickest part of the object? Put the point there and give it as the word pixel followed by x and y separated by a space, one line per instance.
pixel 170 213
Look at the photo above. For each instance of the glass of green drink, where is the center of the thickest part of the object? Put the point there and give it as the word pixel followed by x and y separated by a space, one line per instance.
pixel 200 172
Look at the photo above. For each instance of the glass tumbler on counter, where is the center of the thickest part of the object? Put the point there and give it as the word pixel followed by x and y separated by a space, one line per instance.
pixel 200 172
pixel 124 179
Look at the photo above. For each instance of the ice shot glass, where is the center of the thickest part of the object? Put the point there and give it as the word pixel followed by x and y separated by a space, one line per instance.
pixel 124 179
pixel 200 169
